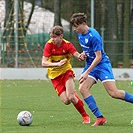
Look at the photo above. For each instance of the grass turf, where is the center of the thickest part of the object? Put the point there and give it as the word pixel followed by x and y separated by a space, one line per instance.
pixel 50 115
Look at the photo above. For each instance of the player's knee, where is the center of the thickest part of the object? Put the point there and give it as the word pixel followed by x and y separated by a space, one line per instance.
pixel 82 90
pixel 66 101
pixel 113 95
pixel 71 98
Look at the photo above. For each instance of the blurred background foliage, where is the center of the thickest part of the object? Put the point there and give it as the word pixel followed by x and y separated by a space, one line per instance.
pixel 112 18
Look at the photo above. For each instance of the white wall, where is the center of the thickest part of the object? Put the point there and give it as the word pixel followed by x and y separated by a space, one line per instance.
pixel 41 73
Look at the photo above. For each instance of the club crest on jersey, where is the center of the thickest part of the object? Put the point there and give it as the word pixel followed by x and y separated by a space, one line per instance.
pixel 63 51
pixel 86 40
pixel 53 50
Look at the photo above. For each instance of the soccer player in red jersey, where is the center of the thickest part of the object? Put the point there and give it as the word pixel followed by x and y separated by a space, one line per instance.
pixel 56 57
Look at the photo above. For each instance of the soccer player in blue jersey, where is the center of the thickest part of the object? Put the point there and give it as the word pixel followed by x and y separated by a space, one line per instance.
pixel 98 67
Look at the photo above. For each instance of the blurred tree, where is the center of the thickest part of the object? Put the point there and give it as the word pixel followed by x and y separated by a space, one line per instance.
pixel 126 48
pixel 113 15
pixel 112 29
pixel 8 33
pixel 33 3
pixel 9 19
pixel 10 22
pixel 57 12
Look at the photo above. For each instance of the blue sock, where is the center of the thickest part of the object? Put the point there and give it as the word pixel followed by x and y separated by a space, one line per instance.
pixel 128 97
pixel 90 101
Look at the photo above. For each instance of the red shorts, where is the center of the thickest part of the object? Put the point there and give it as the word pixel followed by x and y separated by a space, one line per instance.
pixel 60 81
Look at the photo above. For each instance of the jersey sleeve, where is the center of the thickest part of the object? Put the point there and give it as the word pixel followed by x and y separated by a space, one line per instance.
pixel 96 44
pixel 47 50
pixel 72 49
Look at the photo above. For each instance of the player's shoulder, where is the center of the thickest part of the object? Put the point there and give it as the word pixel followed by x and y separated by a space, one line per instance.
pixel 93 32
pixel 66 41
pixel 49 41
pixel 49 44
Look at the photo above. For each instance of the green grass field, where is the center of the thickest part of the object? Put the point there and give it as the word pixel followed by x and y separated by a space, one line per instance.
pixel 50 115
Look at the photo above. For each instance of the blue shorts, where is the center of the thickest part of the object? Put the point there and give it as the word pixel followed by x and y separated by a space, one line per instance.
pixel 102 72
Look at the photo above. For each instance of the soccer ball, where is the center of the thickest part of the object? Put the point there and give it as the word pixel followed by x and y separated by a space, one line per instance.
pixel 24 118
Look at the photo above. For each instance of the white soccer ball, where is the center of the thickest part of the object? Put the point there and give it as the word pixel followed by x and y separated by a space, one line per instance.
pixel 24 118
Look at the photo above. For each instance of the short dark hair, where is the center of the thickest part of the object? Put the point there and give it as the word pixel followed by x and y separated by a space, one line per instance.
pixel 57 30
pixel 78 18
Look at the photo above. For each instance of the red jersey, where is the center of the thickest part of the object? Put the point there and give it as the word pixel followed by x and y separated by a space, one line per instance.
pixel 55 54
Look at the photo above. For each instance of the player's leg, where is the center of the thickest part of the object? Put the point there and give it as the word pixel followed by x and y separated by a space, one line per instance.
pixel 84 89
pixel 107 77
pixel 64 98
pixel 112 90
pixel 60 89
pixel 70 90
pixel 74 98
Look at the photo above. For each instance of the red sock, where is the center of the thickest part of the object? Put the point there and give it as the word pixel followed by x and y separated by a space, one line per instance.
pixel 80 107
pixel 78 97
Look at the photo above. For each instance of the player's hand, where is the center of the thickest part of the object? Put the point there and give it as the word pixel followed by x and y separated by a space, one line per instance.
pixel 83 77
pixel 82 56
pixel 62 62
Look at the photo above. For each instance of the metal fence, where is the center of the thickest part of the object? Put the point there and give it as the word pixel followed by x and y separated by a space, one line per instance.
pixel 109 19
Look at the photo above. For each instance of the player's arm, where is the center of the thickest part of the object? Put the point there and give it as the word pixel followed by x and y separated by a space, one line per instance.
pixel 79 56
pixel 75 53
pixel 95 61
pixel 94 64
pixel 46 63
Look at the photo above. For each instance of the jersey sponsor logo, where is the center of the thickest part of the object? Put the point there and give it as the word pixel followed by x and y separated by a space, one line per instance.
pixel 84 46
pixel 89 55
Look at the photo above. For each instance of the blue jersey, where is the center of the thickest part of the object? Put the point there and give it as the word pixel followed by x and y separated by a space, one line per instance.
pixel 90 43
